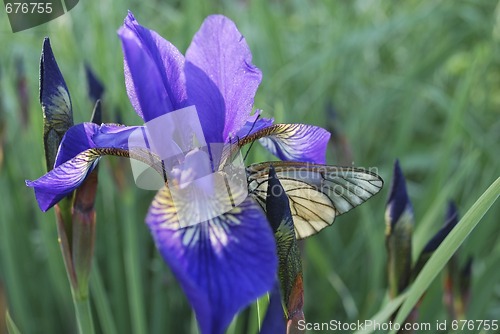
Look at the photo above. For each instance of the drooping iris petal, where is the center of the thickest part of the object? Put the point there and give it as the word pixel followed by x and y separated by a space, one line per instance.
pixel 78 154
pixel 220 77
pixel 297 142
pixel 293 142
pixel 85 136
pixel 154 71
pixel 62 180
pixel 76 140
pixel 222 264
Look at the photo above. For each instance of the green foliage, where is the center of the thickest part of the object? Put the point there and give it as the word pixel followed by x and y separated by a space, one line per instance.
pixel 449 246
pixel 414 80
pixel 11 326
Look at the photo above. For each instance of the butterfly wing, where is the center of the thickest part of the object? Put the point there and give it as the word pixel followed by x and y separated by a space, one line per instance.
pixel 317 193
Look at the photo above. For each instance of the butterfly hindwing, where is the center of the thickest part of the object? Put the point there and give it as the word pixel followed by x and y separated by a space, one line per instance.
pixel 317 193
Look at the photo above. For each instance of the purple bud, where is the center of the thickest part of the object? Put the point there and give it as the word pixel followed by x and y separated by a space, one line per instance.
pixel 450 222
pixel 56 104
pixel 398 198
pixel 95 87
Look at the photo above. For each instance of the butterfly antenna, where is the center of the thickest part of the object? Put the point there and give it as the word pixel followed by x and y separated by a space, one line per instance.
pixel 246 154
pixel 250 131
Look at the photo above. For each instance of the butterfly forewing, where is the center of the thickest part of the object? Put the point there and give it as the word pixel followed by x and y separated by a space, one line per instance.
pixel 317 193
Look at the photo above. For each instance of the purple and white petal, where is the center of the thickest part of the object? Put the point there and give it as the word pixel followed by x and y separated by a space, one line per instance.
pixel 154 71
pixel 295 142
pixel 85 136
pixel 220 77
pixel 77 139
pixel 62 180
pixel 79 152
pixel 222 264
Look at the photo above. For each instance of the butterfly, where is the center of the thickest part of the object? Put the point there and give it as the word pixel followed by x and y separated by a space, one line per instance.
pixel 317 193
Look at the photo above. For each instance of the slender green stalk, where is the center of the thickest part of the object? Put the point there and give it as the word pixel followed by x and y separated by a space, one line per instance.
pixel 133 268
pixel 83 314
pixel 79 292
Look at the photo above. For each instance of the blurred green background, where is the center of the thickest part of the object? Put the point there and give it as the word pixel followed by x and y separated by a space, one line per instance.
pixel 413 80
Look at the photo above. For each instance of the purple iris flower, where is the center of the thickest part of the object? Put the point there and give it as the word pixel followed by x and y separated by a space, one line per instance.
pixel 225 263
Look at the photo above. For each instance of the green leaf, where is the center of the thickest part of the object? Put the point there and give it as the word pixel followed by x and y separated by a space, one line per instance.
pixel 383 316
pixel 11 326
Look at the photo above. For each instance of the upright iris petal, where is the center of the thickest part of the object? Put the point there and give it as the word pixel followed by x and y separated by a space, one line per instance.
pixel 154 68
pixel 221 79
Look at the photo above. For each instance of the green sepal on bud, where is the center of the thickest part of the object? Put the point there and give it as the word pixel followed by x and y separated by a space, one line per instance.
pixel 398 236
pixel 56 104
pixel 290 262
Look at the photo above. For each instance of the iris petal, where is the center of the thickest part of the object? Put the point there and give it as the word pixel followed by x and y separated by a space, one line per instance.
pixel 222 264
pixel 77 139
pixel 62 180
pixel 154 71
pixel 293 142
pixel 274 321
pixel 254 124
pixel 78 154
pixel 297 142
pixel 85 136
pixel 220 77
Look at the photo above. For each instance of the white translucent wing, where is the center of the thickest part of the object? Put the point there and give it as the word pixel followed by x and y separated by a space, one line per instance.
pixel 317 193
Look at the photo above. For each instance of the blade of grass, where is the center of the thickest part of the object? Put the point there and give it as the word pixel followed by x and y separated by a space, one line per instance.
pixel 11 326
pixel 133 266
pixel 384 314
pixel 101 302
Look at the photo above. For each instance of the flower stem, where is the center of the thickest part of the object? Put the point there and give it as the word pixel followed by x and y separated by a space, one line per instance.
pixel 83 314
